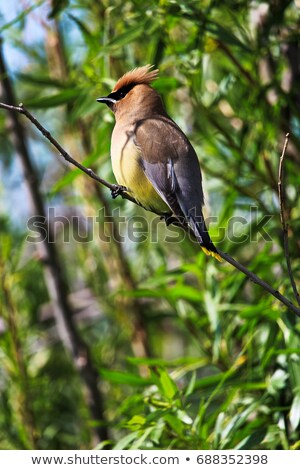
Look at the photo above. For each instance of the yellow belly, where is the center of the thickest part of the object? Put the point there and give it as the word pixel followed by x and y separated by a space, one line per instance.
pixel 128 172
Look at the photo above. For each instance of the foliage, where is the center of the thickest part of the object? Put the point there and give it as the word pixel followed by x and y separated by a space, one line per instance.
pixel 222 366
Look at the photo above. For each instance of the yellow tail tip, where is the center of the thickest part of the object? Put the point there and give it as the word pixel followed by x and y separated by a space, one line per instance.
pixel 212 253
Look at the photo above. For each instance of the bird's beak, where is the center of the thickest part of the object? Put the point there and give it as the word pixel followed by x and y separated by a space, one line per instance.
pixel 106 100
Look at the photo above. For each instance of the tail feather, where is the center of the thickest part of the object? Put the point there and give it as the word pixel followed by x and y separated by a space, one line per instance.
pixel 214 254
pixel 202 235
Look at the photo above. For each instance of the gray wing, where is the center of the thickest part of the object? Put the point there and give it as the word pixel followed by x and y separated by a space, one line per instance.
pixel 171 164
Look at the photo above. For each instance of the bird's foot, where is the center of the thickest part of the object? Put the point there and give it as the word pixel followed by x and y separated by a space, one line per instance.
pixel 169 219
pixel 117 190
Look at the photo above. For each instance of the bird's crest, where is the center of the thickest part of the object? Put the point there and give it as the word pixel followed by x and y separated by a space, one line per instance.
pixel 141 75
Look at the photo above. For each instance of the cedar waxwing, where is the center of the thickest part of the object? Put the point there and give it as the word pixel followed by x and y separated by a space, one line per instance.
pixel 153 158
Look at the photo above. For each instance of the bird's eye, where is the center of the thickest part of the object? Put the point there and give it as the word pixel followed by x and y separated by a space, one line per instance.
pixel 123 91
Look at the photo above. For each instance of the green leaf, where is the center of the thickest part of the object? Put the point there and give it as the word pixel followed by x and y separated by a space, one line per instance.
pixel 182 291
pixel 130 35
pixel 57 7
pixel 209 381
pixel 124 443
pixel 124 378
pixel 136 422
pixel 71 175
pixel 218 429
pixel 175 423
pixel 139 442
pixel 277 381
pixel 52 101
pixel 211 308
pixel 253 440
pixel 158 431
pixel 224 35
pixel 295 412
pixel 184 417
pixel 187 363
pixel 21 16
pixel 191 385
pixel 66 180
pixel 87 35
pixel 103 445
pixel 168 386
pixel 165 84
pixel 238 420
pixel 39 79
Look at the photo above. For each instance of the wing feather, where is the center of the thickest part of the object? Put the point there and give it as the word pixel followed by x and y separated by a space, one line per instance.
pixel 171 165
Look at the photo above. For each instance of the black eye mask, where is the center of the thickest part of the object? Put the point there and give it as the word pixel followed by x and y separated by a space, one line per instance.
pixel 121 93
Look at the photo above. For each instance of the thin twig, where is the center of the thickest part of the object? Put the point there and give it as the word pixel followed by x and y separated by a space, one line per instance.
pixel 284 224
pixel 243 71
pixel 253 277
pixel 21 109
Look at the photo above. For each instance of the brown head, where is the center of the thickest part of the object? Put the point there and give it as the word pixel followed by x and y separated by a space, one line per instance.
pixel 132 97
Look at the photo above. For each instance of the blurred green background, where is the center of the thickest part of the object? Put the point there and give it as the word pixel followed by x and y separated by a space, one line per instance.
pixel 146 343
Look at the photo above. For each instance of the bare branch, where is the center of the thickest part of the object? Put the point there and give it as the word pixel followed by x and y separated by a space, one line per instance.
pixel 113 187
pixel 253 277
pixel 284 224
pixel 280 188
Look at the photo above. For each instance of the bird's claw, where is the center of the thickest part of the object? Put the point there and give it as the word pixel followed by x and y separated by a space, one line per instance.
pixel 169 219
pixel 117 190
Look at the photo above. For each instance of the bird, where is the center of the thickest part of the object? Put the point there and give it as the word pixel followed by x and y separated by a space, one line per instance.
pixel 152 158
